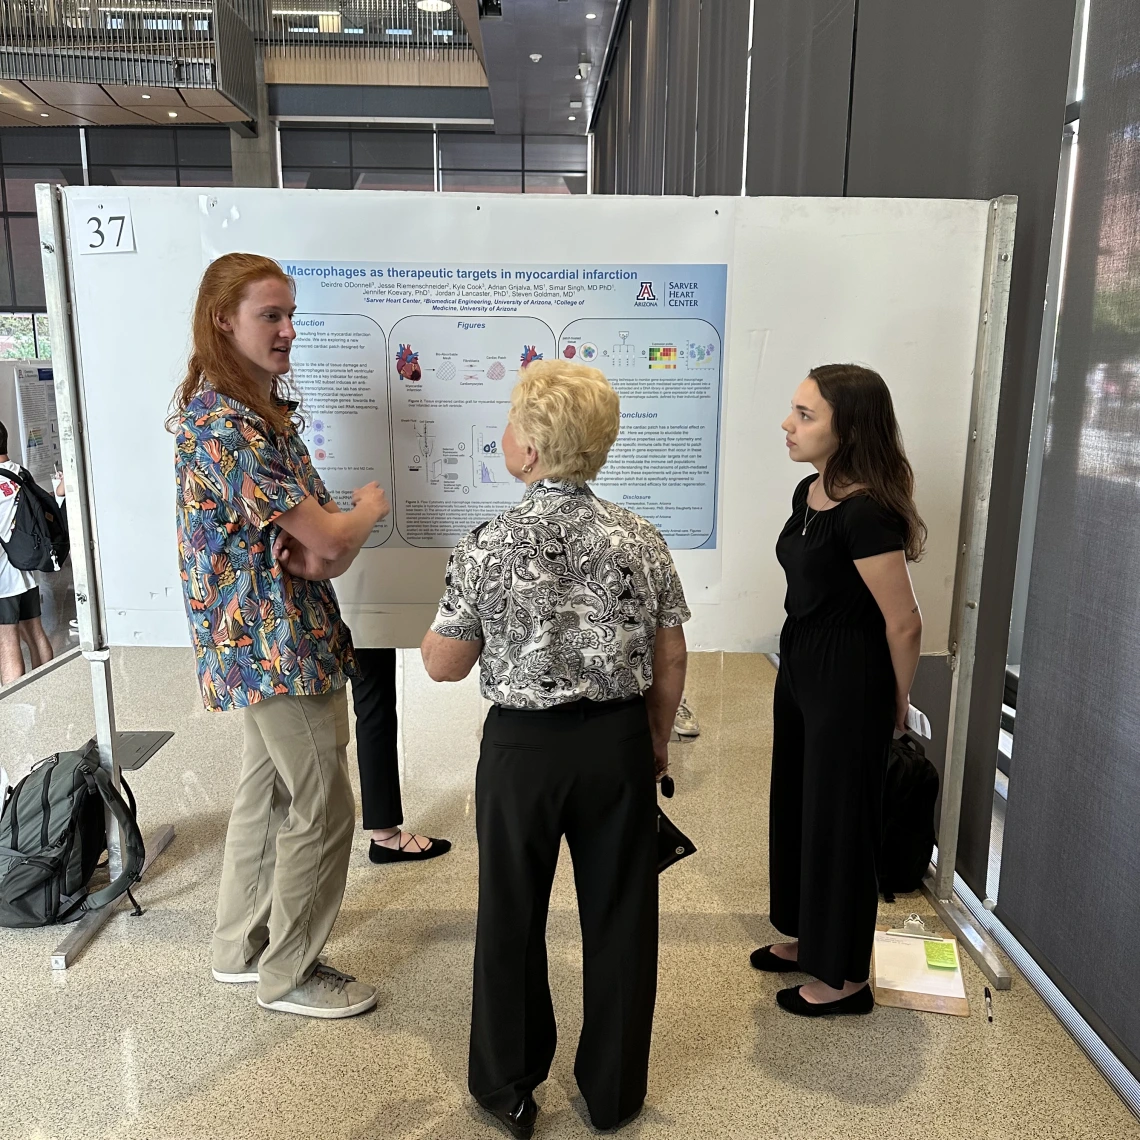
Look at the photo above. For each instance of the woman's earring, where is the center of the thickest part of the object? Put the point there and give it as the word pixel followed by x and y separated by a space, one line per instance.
pixel 528 468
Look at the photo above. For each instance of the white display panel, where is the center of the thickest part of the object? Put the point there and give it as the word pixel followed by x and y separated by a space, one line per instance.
pixel 894 284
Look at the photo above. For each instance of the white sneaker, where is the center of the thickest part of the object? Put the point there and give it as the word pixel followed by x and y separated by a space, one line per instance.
pixel 326 993
pixel 249 974
pixel 686 724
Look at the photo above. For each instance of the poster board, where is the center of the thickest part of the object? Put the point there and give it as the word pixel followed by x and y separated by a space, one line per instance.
pixel 27 410
pixel 894 284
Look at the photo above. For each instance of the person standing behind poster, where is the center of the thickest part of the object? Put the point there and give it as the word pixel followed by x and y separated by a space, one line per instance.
pixel 267 641
pixel 19 593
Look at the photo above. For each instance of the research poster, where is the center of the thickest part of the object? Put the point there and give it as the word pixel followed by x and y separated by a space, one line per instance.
pixel 39 428
pixel 406 371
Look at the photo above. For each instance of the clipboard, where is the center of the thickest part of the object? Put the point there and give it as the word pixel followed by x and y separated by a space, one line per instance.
pixel 900 976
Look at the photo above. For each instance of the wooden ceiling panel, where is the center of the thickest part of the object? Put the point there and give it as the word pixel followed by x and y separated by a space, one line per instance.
pixel 142 97
pixel 70 94
pixel 183 115
pixel 200 97
pixel 107 114
pixel 15 97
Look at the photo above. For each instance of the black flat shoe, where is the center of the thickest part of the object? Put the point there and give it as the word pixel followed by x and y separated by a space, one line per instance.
pixel 861 1001
pixel 380 854
pixel 520 1120
pixel 764 959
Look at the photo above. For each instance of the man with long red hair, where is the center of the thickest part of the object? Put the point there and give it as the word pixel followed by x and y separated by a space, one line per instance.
pixel 258 538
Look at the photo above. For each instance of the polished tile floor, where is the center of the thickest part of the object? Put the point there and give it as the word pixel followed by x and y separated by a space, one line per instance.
pixel 136 1041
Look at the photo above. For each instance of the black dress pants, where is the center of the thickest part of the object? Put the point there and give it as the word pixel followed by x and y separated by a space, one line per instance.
pixel 833 716
pixel 374 702
pixel 584 771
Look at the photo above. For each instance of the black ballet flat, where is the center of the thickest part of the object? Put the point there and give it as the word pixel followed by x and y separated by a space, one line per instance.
pixel 519 1122
pixel 862 1001
pixel 380 854
pixel 764 959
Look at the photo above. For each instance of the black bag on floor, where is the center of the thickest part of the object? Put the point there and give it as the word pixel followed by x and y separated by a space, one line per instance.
pixel 909 794
pixel 52 835
pixel 39 538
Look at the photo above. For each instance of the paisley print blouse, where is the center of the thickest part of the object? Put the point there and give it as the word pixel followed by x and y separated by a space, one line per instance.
pixel 566 592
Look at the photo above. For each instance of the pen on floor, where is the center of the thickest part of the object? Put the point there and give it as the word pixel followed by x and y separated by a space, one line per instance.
pixel 989 1005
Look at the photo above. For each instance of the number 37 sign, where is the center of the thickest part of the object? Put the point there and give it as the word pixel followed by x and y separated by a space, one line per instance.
pixel 107 227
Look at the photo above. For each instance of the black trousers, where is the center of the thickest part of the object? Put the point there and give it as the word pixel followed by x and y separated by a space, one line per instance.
pixel 833 713
pixel 374 702
pixel 584 771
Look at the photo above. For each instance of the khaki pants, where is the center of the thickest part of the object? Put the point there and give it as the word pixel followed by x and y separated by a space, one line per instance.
pixel 289 840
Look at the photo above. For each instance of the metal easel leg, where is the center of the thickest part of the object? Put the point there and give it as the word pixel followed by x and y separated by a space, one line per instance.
pixel 973 938
pixel 939 884
pixel 89 925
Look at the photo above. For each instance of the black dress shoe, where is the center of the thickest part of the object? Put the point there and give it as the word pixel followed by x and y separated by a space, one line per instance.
pixel 520 1120
pixel 623 1122
pixel 861 1001
pixel 378 853
pixel 764 959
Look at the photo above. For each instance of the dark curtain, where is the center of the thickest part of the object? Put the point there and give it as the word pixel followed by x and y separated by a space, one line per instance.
pixel 682 40
pixel 800 93
pixel 721 96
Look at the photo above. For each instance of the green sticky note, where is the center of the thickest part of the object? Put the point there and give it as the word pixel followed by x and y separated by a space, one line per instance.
pixel 942 955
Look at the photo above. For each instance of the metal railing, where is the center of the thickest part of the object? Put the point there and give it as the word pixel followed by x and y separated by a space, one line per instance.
pixel 382 29
pixel 187 43
pixel 132 42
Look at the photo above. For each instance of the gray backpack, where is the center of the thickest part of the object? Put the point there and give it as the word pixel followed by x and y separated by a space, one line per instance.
pixel 52 835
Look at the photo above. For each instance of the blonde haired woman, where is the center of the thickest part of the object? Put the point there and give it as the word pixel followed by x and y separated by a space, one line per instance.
pixel 254 524
pixel 573 609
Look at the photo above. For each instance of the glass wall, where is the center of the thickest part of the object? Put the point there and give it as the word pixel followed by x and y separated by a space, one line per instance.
pixel 28 156
pixel 116 156
pixel 159 156
pixel 316 158
pixel 457 161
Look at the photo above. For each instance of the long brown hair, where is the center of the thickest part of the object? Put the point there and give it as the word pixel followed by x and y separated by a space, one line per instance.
pixel 214 362
pixel 870 453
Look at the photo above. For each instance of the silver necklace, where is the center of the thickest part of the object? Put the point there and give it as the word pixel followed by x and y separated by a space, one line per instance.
pixel 807 518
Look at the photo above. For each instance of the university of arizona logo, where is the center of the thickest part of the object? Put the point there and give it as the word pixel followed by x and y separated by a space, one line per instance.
pixel 646 293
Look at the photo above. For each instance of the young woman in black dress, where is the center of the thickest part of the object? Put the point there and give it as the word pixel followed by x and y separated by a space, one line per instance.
pixel 848 654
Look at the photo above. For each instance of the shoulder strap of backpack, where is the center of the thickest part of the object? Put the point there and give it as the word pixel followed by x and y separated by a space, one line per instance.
pixel 133 850
pixel 22 476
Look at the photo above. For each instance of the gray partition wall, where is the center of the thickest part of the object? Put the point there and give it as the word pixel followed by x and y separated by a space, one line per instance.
pixel 1070 876
pixel 967 100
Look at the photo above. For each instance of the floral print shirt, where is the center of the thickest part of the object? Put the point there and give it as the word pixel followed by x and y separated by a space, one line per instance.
pixel 566 592
pixel 257 631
